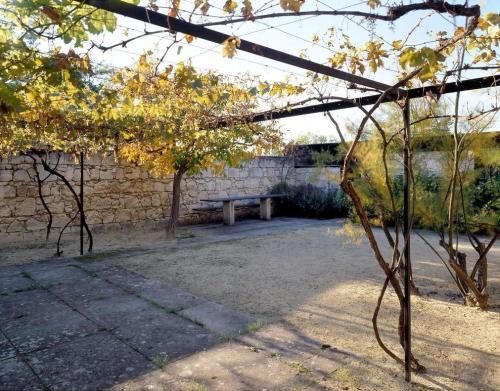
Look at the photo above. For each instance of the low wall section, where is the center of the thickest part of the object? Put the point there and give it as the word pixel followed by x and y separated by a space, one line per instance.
pixel 117 195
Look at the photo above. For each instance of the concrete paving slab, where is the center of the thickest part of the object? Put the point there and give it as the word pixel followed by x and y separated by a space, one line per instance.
pixel 69 275
pixel 47 264
pixel 6 348
pixel 219 319
pixel 114 311
pixel 274 358
pixel 91 363
pixel 47 329
pixel 232 366
pixel 6 271
pixel 16 375
pixel 91 328
pixel 84 292
pixel 15 283
pixel 166 296
pixel 123 278
pixel 158 334
pixel 33 303
pixel 93 266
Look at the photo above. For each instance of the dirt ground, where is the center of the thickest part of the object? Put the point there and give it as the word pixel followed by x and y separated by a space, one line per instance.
pixel 315 282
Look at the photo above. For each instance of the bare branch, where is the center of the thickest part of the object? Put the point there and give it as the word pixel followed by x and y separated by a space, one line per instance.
pixel 392 15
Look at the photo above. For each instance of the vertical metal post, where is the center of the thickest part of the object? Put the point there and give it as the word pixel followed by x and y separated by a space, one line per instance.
pixel 81 203
pixel 406 233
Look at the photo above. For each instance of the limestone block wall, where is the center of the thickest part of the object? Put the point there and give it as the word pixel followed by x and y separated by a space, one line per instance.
pixel 434 162
pixel 117 195
pixel 324 177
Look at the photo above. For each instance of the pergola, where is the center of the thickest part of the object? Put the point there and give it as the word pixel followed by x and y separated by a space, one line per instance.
pixel 389 93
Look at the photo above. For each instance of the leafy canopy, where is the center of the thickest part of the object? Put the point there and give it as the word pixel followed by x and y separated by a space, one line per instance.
pixel 172 119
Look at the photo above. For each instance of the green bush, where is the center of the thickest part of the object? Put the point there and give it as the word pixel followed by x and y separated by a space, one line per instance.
pixel 310 201
pixel 484 196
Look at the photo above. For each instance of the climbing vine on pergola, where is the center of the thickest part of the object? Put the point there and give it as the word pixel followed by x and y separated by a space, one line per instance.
pixel 479 34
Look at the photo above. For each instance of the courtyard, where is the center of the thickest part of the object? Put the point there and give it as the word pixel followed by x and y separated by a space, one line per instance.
pixel 285 304
pixel 248 195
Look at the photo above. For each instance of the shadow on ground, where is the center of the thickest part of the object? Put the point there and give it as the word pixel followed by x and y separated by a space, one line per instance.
pixel 67 324
pixel 314 292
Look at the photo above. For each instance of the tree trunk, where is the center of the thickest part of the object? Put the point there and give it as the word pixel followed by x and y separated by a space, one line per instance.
pixel 413 288
pixel 176 200
pixel 461 259
pixel 482 271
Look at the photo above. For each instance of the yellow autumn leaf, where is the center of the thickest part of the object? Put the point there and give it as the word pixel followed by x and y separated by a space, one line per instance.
pixel 230 6
pixel 291 5
pixel 398 44
pixel 229 46
pixel 373 3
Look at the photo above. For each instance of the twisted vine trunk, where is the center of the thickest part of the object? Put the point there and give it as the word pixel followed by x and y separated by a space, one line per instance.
pixel 79 205
pixel 413 288
pixel 473 290
pixel 390 274
pixel 482 271
pixel 39 182
pixel 176 202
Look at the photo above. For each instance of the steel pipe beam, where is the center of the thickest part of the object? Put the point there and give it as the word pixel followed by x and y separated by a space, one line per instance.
pixel 436 90
pixel 148 16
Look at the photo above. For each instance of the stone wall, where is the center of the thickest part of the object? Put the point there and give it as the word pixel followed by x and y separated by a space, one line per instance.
pixel 324 177
pixel 117 195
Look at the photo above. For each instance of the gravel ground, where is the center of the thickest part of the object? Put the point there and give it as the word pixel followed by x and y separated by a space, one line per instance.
pixel 312 280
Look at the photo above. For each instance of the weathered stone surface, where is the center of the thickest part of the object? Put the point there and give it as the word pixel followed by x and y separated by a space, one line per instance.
pixel 219 319
pixel 7 350
pixel 95 362
pixel 92 266
pixel 81 293
pixel 16 283
pixel 82 332
pixel 7 191
pixel 21 176
pixel 26 207
pixel 125 193
pixel 5 211
pixel 6 174
pixel 156 333
pixel 12 270
pixel 67 275
pixel 48 328
pixel 266 360
pixel 16 226
pixel 46 265
pixel 16 375
pixel 113 311
pixel 168 297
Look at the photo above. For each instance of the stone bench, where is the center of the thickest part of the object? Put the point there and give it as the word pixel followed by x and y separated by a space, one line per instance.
pixel 228 205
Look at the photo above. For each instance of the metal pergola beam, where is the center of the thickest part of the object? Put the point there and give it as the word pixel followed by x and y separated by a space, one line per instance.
pixel 148 16
pixel 420 92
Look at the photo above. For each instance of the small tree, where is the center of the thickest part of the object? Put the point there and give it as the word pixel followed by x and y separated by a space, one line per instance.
pixel 181 122
pixel 449 204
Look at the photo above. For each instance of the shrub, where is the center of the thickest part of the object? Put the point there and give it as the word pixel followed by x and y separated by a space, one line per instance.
pixel 310 201
pixel 484 196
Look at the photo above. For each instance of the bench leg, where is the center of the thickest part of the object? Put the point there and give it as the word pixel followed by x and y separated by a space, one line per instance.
pixel 228 212
pixel 265 209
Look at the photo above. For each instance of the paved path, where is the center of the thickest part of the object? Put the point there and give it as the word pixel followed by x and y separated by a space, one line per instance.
pixel 275 358
pixel 76 325
pixel 203 234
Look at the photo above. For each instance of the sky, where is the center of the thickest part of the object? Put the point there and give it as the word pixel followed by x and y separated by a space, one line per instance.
pixel 288 34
